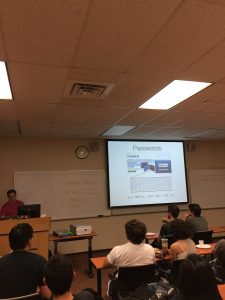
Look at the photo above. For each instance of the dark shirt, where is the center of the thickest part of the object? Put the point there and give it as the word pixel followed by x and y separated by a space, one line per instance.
pixel 21 272
pixel 166 229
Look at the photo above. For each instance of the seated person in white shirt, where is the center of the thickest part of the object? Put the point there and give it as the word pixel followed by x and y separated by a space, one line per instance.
pixel 135 252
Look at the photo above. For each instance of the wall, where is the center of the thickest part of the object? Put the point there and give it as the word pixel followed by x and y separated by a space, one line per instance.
pixel 58 154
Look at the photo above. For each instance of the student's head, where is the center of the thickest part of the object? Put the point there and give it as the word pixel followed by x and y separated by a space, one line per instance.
pixel 219 253
pixel 195 210
pixel 20 236
pixel 135 231
pixel 196 279
pixel 11 194
pixel 181 229
pixel 59 274
pixel 173 211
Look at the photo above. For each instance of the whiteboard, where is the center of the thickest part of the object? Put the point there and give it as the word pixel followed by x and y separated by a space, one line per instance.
pixel 207 187
pixel 65 194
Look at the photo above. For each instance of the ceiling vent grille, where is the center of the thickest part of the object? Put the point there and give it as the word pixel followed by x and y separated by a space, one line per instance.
pixel 90 90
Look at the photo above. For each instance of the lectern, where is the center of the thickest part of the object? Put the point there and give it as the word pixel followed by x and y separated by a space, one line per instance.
pixel 39 243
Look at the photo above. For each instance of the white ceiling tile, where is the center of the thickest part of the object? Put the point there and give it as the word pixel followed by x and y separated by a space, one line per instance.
pixel 8 111
pixel 37 112
pixel 192 31
pixel 106 116
pixel 140 116
pixel 37 83
pixel 45 32
pixel 170 118
pixel 117 31
pixel 64 129
pixel 73 114
pixel 134 90
pixel 92 131
pixel 209 68
pixel 35 129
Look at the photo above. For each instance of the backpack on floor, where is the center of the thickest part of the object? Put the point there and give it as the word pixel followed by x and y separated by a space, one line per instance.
pixel 154 291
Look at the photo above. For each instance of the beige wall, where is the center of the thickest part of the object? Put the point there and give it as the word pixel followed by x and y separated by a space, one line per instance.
pixel 58 154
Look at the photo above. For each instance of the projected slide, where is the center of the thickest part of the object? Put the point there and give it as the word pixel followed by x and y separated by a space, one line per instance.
pixel 143 173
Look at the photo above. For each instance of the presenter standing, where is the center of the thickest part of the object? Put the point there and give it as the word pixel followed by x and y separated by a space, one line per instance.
pixel 10 208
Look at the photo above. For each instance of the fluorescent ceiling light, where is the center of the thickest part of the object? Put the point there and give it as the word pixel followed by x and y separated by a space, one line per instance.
pixel 174 93
pixel 5 90
pixel 118 130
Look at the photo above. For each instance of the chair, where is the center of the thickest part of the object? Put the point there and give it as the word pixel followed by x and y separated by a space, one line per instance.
pixel 35 296
pixel 206 236
pixel 130 278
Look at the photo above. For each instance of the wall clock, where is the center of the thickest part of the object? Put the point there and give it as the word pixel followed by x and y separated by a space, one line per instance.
pixel 82 152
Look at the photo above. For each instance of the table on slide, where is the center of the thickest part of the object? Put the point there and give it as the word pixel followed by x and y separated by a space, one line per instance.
pixel 98 263
pixel 221 288
pixel 56 240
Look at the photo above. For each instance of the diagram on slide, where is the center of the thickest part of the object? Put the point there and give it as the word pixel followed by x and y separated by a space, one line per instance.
pixel 150 175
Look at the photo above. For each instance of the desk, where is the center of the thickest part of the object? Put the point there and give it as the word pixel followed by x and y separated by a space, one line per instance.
pixel 221 289
pixel 56 240
pixel 98 263
pixel 218 229
pixel 39 243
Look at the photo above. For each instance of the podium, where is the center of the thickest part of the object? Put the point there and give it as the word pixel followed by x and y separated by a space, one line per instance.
pixel 39 243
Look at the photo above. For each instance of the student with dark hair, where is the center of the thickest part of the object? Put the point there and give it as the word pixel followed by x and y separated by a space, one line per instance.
pixel 173 213
pixel 218 263
pixel 198 222
pixel 196 280
pixel 184 245
pixel 135 252
pixel 21 271
pixel 10 208
pixel 59 275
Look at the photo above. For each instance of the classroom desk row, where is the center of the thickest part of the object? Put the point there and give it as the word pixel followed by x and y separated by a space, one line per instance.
pixel 98 263
pixel 89 238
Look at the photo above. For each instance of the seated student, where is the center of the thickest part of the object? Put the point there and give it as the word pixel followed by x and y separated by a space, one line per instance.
pixel 196 280
pixel 135 252
pixel 10 208
pixel 184 245
pixel 173 213
pixel 198 222
pixel 59 275
pixel 218 264
pixel 21 271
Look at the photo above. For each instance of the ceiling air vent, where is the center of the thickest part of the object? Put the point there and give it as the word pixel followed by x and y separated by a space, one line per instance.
pixel 86 89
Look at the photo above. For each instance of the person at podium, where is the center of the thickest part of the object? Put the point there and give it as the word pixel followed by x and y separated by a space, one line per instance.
pixel 10 208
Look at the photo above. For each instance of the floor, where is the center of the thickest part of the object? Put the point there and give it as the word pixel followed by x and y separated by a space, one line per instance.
pixel 82 280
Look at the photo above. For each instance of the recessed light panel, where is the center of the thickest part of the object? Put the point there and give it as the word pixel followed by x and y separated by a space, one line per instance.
pixel 174 93
pixel 118 130
pixel 5 90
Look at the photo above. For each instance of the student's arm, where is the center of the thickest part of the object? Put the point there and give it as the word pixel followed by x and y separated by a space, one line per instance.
pixel 107 264
pixel 173 251
pixel 3 211
pixel 110 260
pixel 45 292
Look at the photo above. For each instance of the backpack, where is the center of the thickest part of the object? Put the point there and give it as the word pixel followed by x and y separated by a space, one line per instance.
pixel 154 291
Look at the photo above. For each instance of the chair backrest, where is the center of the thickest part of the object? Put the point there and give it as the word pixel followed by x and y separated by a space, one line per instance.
pixel 35 296
pixel 206 236
pixel 130 278
pixel 174 274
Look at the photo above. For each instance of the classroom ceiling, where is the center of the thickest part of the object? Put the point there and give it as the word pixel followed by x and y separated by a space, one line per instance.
pixel 136 46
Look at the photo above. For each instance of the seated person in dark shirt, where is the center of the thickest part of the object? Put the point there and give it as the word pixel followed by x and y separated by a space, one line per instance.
pixel 22 272
pixel 193 217
pixel 173 213
pixel 59 275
